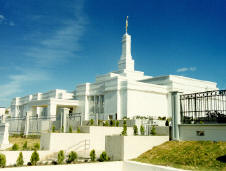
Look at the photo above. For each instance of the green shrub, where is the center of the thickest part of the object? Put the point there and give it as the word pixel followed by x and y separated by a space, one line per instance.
pixel 142 130
pixel 25 147
pixel 135 130
pixel 103 157
pixel 124 122
pixel 62 129
pixel 60 157
pixel 117 123
pixel 106 123
pixel 153 130
pixel 20 160
pixel 124 131
pixel 36 146
pixel 34 158
pixel 92 155
pixel 15 147
pixel 2 160
pixel 78 130
pixel 91 122
pixel 167 123
pixel 112 122
pixel 70 129
pixel 53 128
pixel 72 157
pixel 100 122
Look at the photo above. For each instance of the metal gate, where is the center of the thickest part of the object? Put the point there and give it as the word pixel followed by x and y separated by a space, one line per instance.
pixel 204 107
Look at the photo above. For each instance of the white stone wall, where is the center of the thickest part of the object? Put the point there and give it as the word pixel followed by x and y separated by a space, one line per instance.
pixel 109 166
pixel 137 166
pixel 98 133
pixel 93 137
pixel 64 141
pixel 146 104
pixel 129 147
pixel 212 132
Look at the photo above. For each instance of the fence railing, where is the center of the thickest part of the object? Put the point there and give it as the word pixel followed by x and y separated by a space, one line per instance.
pixel 203 107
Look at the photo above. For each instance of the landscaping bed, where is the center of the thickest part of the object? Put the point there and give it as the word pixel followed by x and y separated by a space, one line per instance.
pixel 191 155
pixel 21 141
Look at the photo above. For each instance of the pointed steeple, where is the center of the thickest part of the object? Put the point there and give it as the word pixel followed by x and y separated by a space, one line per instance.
pixel 126 62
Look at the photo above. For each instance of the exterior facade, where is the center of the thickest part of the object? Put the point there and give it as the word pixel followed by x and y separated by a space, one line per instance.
pixel 43 105
pixel 2 111
pixel 118 94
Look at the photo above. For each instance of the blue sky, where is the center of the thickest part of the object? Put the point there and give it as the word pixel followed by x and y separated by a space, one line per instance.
pixel 49 44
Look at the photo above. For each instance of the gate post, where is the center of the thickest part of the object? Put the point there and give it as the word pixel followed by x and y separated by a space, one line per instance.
pixel 175 113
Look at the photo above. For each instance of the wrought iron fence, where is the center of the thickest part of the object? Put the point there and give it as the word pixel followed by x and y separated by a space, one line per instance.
pixel 203 107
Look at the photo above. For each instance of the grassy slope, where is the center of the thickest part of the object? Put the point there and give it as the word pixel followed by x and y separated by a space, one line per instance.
pixel 20 141
pixel 193 155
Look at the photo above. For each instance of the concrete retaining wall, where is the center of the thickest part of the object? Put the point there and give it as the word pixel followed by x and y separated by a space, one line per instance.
pixel 109 166
pixel 136 166
pixel 98 133
pixel 212 132
pixel 64 141
pixel 128 147
pixel 92 137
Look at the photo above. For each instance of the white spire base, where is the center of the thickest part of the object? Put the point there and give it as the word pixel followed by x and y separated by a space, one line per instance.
pixel 126 62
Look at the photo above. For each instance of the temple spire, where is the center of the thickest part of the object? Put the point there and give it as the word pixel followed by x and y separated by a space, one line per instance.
pixel 126 63
pixel 126 23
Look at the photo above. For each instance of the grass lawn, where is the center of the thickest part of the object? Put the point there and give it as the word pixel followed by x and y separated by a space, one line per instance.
pixel 191 155
pixel 31 141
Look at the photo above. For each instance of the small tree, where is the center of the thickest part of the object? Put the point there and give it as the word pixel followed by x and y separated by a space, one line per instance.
pixel 92 155
pixel 106 123
pixel 2 160
pixel 142 130
pixel 25 147
pixel 135 130
pixel 72 157
pixel 91 122
pixel 103 157
pixel 36 146
pixel 15 147
pixel 153 130
pixel 117 123
pixel 78 130
pixel 167 123
pixel 60 157
pixel 62 129
pixel 53 128
pixel 70 129
pixel 111 122
pixel 34 158
pixel 124 131
pixel 20 160
pixel 124 122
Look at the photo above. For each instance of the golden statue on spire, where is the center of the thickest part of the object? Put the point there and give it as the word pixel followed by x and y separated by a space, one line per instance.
pixel 126 23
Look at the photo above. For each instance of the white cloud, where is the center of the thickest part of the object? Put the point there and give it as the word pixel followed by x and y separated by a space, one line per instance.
pixel 61 45
pixel 185 69
pixel 56 48
pixel 11 23
pixel 2 18
pixel 17 81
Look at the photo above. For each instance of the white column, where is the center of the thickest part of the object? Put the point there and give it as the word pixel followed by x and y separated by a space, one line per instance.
pixel 118 105
pixel 4 136
pixel 51 109
pixel 175 111
pixel 66 112
pixel 86 108
pixel 27 123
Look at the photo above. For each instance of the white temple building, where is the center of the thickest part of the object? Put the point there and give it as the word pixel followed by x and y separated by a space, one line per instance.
pixel 122 93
